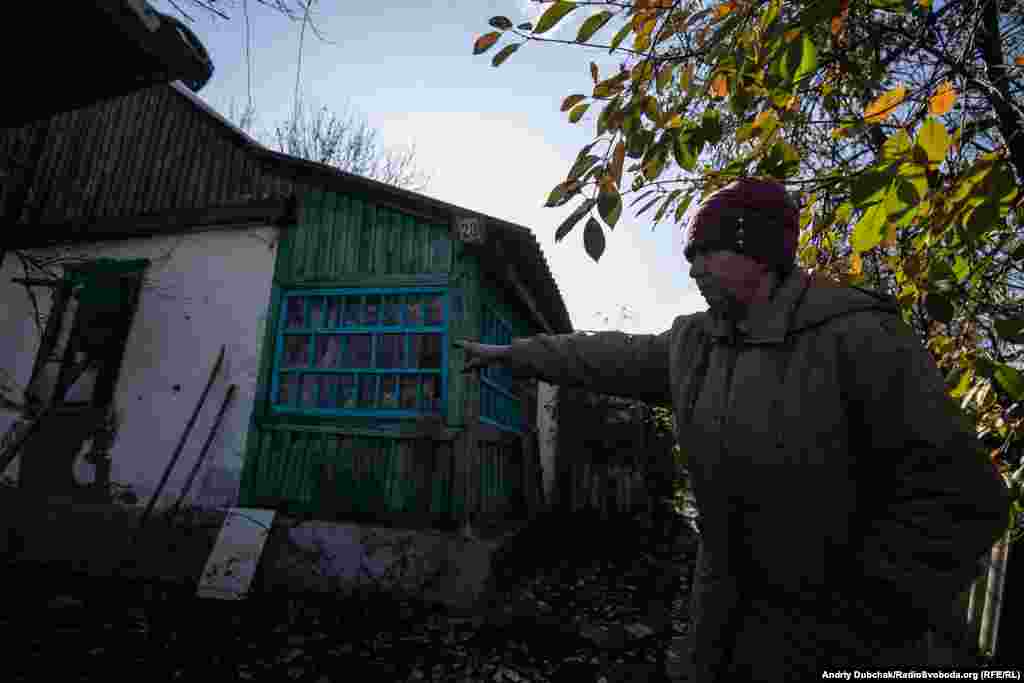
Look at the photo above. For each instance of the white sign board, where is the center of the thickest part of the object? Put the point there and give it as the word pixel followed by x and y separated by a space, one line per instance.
pixel 232 563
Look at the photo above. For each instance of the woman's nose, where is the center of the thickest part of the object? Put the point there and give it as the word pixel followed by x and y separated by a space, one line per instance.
pixel 697 268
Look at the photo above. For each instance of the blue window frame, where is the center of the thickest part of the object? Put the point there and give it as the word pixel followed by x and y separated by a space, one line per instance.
pixel 499 405
pixel 377 352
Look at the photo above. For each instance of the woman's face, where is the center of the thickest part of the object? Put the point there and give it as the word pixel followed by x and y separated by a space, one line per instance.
pixel 727 280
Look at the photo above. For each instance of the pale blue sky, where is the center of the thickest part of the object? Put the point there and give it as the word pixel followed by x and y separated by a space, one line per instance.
pixel 492 140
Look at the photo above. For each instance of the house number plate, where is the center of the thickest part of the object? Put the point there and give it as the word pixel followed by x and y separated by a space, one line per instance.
pixel 470 229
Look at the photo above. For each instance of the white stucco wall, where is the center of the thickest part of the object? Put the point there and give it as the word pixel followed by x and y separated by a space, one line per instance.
pixel 547 434
pixel 201 290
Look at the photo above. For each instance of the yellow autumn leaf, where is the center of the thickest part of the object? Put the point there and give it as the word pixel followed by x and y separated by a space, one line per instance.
pixel 686 76
pixel 720 86
pixel 618 159
pixel 943 99
pixel 838 22
pixel 884 105
pixel 675 121
pixel 724 9
pixel 856 265
pixel 889 239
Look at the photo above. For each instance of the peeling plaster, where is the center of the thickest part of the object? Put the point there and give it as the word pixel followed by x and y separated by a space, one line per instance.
pixel 201 291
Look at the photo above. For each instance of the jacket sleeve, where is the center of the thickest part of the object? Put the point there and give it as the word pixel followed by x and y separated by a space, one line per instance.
pixel 628 365
pixel 931 503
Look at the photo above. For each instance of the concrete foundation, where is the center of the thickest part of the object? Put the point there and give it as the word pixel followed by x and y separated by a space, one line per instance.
pixel 299 557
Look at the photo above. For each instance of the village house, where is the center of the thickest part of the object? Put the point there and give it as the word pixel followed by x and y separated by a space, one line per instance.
pixel 171 234
pixel 165 270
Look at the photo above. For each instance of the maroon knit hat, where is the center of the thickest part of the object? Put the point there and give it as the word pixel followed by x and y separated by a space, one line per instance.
pixel 752 216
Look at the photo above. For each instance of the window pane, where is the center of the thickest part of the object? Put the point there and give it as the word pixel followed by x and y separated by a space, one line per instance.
pixel 316 307
pixel 391 313
pixel 372 310
pixel 413 312
pixel 435 311
pixel 293 312
pixel 328 391
pixel 389 391
pixel 408 385
pixel 287 388
pixel 391 351
pixel 332 318
pixel 328 351
pixel 367 390
pixel 308 391
pixel 357 351
pixel 431 394
pixel 296 350
pixel 347 392
pixel 426 351
pixel 352 308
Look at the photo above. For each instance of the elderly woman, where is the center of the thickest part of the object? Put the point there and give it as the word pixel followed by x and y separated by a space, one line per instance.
pixel 844 502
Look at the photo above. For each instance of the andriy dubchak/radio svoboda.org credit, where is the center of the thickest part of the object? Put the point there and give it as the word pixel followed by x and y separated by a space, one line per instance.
pixel 854 675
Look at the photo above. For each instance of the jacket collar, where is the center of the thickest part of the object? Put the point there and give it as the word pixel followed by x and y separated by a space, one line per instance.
pixel 768 324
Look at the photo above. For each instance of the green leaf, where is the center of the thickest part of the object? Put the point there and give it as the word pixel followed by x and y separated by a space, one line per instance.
pixel 683 151
pixel 593 239
pixel 799 60
pixel 592 25
pixel 939 307
pixel 664 78
pixel 1010 329
pixel 575 217
pixel 710 127
pixel 870 187
pixel 655 163
pixel 485 42
pixel 934 139
pixel 870 229
pixel 571 101
pixel 899 6
pixel 982 219
pixel 620 36
pixel 504 54
pixel 552 15
pixel 582 166
pixel 1011 380
pixel 666 205
pixel 913 182
pixel 819 12
pixel 897 146
pixel 562 193
pixel 782 161
pixel 684 204
pixel 501 23
pixel 577 112
pixel 609 206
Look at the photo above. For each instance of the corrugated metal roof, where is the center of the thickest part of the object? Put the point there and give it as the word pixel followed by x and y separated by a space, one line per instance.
pixel 164 150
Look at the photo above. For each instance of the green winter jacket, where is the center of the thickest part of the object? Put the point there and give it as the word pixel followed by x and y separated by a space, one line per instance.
pixel 844 503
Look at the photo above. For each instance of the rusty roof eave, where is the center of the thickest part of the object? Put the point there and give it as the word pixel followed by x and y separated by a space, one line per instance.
pixel 516 242
pixel 520 242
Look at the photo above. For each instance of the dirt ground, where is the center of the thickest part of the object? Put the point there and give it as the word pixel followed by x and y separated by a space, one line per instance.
pixel 610 616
